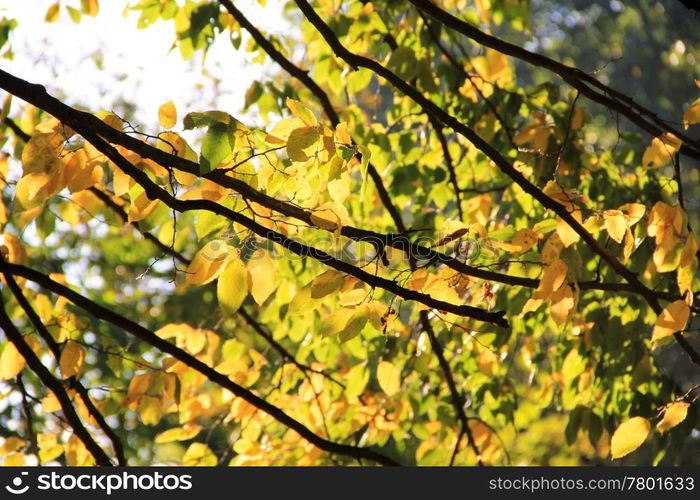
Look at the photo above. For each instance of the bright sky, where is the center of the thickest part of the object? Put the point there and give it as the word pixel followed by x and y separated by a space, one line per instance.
pixel 137 64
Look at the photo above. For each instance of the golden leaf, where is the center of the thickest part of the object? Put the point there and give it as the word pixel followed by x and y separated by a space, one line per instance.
pixel 661 150
pixel 674 414
pixel 671 320
pixel 691 115
pixel 616 224
pixel 72 359
pixel 167 115
pixel 302 112
pixel 11 362
pixel 208 263
pixel 566 232
pixel 629 436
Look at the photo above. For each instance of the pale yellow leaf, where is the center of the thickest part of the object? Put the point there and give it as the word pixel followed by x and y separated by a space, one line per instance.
pixel 261 276
pixel 616 224
pixel 326 283
pixel 566 233
pixel 184 433
pixel 232 287
pixel 629 436
pixel 389 377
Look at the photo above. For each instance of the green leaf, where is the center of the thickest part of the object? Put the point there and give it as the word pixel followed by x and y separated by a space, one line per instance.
pixel 358 376
pixel 201 119
pixel 299 141
pixel 403 63
pixel 217 145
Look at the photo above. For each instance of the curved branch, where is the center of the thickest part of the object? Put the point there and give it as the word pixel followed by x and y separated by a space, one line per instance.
pixel 73 381
pixel 356 61
pixel 320 94
pixel 583 82
pixel 187 359
pixel 80 120
pixel 51 382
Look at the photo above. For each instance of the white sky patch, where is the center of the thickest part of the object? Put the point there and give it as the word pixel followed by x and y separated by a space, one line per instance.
pixel 102 60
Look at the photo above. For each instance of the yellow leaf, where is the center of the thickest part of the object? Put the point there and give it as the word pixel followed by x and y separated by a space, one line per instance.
pixel 552 278
pixel 50 403
pixel 335 322
pixel 178 434
pixel 76 452
pixel 302 112
pixel 35 188
pixel 141 206
pixel 44 147
pixel 633 212
pixel 138 386
pixel 688 268
pixel 11 445
pixel 616 224
pixel 208 263
pixel 52 12
pixel 301 143
pixel 90 7
pixel 671 320
pixel 11 362
pixel 261 276
pixel 326 219
pixel 199 454
pixel 281 130
pixel 562 304
pixel 566 233
pixel 342 135
pixel 167 115
pixel 629 436
pixel 524 239
pixel 691 115
pixel 552 248
pixel 661 150
pixel 388 377
pixel 674 414
pixel 326 283
pixel 13 250
pixel 195 341
pixel 232 287
pixel 72 359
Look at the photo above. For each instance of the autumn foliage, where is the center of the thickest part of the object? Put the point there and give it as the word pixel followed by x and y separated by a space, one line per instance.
pixel 404 250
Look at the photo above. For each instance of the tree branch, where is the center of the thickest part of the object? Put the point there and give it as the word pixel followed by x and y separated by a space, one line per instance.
pixel 355 61
pixel 52 383
pixel 583 82
pixel 320 94
pixel 80 120
pixel 73 381
pixel 187 359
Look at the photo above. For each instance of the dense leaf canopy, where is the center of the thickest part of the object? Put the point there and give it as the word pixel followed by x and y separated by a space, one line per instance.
pixel 446 232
